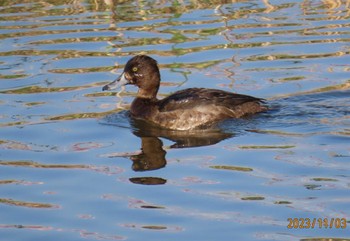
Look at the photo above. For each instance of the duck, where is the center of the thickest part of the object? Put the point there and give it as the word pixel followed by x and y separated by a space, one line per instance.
pixel 187 109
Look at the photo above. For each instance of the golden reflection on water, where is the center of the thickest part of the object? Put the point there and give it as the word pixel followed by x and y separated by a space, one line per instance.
pixel 40 165
pixel 26 204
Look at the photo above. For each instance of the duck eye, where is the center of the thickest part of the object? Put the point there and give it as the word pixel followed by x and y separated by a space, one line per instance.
pixel 134 69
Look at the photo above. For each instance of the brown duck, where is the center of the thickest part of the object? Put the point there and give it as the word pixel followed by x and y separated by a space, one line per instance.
pixel 186 109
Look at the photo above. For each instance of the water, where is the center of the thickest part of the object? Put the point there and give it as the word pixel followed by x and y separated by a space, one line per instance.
pixel 71 162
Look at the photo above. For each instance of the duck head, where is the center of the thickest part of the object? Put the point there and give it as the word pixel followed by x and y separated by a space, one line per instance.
pixel 141 71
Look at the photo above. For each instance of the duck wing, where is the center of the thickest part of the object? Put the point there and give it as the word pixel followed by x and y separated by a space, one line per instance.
pixel 189 98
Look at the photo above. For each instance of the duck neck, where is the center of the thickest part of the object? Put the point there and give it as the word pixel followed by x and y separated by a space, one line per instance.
pixel 147 94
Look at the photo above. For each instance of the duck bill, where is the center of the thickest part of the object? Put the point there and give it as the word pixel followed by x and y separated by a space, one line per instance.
pixel 120 81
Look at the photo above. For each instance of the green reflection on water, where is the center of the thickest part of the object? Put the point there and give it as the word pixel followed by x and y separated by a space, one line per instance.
pixel 233 168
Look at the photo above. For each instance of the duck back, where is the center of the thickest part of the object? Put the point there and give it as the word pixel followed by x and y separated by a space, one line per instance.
pixel 198 107
pixel 192 97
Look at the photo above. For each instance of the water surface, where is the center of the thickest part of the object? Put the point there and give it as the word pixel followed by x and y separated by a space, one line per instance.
pixel 71 162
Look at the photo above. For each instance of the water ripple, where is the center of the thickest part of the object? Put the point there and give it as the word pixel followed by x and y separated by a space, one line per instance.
pixel 61 135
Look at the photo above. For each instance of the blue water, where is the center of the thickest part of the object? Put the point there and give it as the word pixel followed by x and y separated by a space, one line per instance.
pixel 71 162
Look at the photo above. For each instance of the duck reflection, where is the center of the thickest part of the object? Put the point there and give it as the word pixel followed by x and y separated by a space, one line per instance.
pixel 152 154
